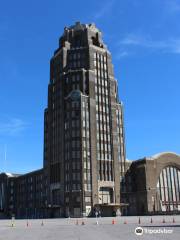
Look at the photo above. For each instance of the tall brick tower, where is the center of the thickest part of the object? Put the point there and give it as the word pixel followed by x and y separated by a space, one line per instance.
pixel 84 149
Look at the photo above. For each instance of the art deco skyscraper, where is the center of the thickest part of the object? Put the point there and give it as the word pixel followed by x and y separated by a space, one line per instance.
pixel 84 150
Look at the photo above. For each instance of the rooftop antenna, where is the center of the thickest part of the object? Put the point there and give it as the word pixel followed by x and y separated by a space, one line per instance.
pixel 5 156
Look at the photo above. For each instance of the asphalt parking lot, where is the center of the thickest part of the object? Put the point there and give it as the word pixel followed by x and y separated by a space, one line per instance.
pixel 157 227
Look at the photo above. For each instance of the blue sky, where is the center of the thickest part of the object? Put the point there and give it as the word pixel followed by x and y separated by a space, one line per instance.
pixel 144 38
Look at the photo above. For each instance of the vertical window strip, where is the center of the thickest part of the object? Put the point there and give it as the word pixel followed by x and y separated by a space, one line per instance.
pixel 178 177
pixel 168 185
pixel 164 184
pixel 162 187
pixel 175 184
pixel 170 188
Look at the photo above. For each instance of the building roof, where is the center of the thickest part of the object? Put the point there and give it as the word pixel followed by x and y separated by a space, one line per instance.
pixel 12 174
pixel 155 156
pixel 162 154
pixel 80 26
pixel 32 173
pixel 128 160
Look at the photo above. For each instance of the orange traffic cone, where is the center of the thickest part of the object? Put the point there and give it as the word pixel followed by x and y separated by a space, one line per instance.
pixel 113 221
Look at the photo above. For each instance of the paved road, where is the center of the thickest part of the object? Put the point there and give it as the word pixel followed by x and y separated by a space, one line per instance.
pixel 87 229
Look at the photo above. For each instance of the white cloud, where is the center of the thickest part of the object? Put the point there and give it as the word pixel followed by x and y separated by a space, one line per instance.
pixel 12 126
pixel 122 54
pixel 106 7
pixel 166 46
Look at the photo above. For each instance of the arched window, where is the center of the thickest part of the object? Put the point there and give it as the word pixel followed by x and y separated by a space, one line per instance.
pixel 168 189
